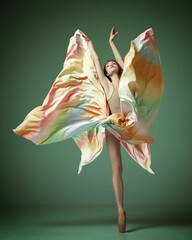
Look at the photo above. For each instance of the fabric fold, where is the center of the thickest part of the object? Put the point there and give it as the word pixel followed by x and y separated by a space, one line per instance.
pixel 76 105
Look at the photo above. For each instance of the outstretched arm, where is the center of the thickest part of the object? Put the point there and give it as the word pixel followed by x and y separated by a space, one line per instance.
pixel 95 58
pixel 116 52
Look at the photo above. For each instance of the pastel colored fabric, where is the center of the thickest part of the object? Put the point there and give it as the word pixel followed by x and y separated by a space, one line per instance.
pixel 76 105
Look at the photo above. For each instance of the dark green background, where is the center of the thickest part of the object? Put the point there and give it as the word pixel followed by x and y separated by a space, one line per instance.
pixel 34 40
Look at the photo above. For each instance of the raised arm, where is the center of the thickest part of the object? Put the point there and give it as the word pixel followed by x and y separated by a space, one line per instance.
pixel 95 58
pixel 116 52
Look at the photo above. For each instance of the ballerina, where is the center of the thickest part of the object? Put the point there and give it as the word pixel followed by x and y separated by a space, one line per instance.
pixel 109 79
pixel 88 103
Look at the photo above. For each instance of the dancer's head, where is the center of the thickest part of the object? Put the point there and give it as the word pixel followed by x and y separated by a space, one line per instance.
pixel 111 67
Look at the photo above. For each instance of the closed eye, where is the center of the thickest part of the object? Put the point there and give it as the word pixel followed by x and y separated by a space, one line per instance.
pixel 112 64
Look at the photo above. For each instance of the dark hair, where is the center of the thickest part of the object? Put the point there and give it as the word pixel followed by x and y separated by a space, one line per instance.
pixel 119 72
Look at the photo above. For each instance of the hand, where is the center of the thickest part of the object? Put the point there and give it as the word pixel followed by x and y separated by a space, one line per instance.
pixel 85 37
pixel 113 34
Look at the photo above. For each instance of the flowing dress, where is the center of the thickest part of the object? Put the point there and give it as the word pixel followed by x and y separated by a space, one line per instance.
pixel 76 105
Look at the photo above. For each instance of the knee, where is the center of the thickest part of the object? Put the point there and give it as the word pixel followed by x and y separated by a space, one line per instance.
pixel 117 169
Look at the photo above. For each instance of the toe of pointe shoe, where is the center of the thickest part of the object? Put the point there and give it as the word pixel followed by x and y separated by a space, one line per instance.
pixel 121 226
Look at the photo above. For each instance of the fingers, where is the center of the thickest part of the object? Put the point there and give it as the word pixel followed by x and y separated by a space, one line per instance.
pixel 113 28
pixel 113 31
pixel 82 33
pixel 85 37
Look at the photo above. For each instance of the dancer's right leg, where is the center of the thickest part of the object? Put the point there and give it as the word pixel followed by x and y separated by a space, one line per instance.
pixel 114 149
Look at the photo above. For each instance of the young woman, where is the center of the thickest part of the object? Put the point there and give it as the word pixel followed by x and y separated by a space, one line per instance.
pixel 65 112
pixel 109 78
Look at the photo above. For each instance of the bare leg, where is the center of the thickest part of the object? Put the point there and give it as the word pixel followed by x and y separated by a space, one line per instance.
pixel 114 149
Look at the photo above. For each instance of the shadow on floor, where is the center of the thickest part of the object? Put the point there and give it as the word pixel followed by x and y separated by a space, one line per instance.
pixel 143 223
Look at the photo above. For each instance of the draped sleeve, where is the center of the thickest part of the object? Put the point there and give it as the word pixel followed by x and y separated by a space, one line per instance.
pixel 76 105
pixel 141 90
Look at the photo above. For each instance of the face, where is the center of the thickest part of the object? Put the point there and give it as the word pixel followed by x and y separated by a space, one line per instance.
pixel 111 67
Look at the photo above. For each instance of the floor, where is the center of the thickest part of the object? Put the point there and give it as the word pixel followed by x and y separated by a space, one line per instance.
pixel 94 223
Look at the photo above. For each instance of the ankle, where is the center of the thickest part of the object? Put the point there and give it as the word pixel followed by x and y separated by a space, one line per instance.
pixel 120 210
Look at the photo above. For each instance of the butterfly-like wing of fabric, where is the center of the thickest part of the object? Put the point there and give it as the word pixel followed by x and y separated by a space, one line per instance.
pixel 141 89
pixel 76 107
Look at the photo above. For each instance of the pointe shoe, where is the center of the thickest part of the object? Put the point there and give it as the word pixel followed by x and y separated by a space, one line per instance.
pixel 122 224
